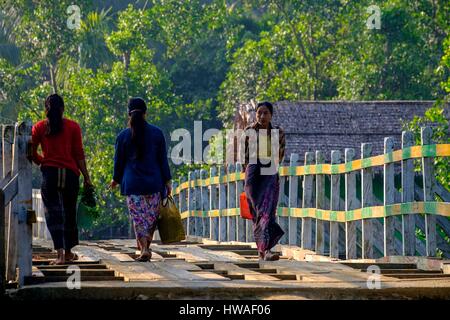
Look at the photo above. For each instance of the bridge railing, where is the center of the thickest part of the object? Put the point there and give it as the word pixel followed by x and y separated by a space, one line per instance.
pixel 40 230
pixel 16 214
pixel 361 207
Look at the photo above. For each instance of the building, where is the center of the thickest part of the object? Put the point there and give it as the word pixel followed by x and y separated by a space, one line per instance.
pixel 336 125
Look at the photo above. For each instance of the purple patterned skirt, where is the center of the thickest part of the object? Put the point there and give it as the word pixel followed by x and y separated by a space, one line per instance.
pixel 262 195
pixel 144 210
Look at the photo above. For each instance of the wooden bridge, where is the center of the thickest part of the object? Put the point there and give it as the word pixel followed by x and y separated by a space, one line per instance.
pixel 370 227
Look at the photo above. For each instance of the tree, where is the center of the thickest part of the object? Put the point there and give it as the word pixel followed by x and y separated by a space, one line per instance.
pixel 8 49
pixel 133 26
pixel 394 62
pixel 435 117
pixel 93 50
pixel 324 50
pixel 43 34
pixel 290 60
pixel 97 99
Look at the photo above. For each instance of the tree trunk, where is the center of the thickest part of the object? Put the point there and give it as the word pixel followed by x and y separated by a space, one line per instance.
pixel 53 78
pixel 130 229
pixel 126 60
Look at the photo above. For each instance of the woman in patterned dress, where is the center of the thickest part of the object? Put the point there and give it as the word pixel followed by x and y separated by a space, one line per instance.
pixel 262 180
pixel 142 170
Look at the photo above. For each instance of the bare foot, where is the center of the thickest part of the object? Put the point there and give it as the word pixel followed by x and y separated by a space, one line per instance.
pixel 58 262
pixel 270 256
pixel 144 257
pixel 70 256
pixel 60 259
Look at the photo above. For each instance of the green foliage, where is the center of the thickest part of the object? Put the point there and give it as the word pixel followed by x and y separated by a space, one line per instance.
pixel 132 29
pixel 97 99
pixel 323 50
pixel 93 50
pixel 435 117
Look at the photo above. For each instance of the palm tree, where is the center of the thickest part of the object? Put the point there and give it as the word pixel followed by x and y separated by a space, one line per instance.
pixel 9 18
pixel 93 52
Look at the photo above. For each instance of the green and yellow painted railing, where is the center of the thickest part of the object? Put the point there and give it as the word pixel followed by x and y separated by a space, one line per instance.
pixel 333 208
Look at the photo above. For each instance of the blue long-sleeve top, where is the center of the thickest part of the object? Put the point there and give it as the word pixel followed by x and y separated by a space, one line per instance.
pixel 146 175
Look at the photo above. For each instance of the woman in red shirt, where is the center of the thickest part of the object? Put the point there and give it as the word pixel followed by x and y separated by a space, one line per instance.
pixel 61 161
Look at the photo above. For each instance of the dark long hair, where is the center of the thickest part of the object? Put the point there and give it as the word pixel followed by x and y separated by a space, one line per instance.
pixel 54 107
pixel 136 111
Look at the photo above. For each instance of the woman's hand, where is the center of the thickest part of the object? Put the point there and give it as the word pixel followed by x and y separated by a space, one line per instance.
pixel 87 182
pixel 84 171
pixel 113 184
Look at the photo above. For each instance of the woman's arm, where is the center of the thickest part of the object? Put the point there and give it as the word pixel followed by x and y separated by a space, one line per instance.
pixel 35 141
pixel 83 168
pixel 164 165
pixel 119 163
pixel 282 144
pixel 78 154
pixel 36 157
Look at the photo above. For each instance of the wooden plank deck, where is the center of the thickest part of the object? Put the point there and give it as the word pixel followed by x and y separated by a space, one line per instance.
pixel 226 270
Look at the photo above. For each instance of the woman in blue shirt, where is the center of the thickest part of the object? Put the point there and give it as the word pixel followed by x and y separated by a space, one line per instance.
pixel 142 170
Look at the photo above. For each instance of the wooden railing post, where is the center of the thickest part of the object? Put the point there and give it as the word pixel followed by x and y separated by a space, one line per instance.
pixel 367 200
pixel 205 204
pixel 249 230
pixel 198 206
pixel 191 204
pixel 183 204
pixel 231 203
pixel 176 200
pixel 24 195
pixel 408 220
pixel 38 207
pixel 9 137
pixel 2 176
pixel 222 205
pixel 294 238
pixel 239 189
pixel 7 143
pixel 389 198
pixel 334 205
pixel 283 221
pixel 176 197
pixel 351 202
pixel 308 202
pixel 429 182
pixel 320 204
pixel 2 246
pixel 213 205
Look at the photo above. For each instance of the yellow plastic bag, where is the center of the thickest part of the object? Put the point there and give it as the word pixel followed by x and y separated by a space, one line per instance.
pixel 169 224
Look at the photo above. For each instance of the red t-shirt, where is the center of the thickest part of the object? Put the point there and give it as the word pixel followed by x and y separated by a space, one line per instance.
pixel 62 150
